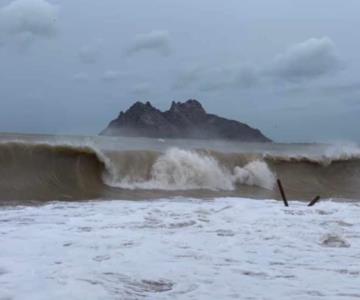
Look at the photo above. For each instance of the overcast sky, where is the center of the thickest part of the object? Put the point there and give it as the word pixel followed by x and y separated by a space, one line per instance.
pixel 289 68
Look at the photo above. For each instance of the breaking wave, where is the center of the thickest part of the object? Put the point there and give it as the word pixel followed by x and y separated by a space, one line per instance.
pixel 44 171
pixel 179 169
pixel 333 153
pixel 51 172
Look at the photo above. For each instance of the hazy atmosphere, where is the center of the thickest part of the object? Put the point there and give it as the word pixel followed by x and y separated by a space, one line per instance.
pixel 290 68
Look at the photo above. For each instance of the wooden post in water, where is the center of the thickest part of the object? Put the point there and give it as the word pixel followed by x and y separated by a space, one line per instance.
pixel 282 193
pixel 313 202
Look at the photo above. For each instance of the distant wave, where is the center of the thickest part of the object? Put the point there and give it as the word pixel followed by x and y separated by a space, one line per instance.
pixel 333 154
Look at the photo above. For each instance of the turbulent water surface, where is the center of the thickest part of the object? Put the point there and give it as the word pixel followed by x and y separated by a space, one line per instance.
pixel 69 228
pixel 180 249
pixel 53 168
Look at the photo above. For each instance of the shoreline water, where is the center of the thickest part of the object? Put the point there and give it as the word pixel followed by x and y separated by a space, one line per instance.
pixel 114 238
pixel 184 248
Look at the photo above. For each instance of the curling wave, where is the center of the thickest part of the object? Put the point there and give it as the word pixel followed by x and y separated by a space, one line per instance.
pixel 50 172
pixel 44 171
pixel 179 169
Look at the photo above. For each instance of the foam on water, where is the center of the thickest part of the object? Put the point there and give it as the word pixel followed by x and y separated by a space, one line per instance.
pixel 255 173
pixel 230 248
pixel 179 169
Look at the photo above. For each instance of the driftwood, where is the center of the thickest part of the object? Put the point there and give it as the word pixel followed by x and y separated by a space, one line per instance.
pixel 282 193
pixel 313 202
pixel 283 196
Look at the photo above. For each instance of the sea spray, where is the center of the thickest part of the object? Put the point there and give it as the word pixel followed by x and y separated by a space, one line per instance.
pixel 179 169
pixel 255 173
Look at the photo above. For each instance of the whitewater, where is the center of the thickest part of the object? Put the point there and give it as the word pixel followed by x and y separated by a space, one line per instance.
pixel 43 168
pixel 105 218
pixel 227 248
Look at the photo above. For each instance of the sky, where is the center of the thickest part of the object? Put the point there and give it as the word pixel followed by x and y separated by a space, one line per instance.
pixel 288 67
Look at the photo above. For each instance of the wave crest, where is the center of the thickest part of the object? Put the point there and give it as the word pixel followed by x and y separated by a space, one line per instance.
pixel 179 169
pixel 44 171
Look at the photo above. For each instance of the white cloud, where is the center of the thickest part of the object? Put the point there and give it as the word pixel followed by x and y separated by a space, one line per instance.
pixel 312 58
pixel 157 41
pixel 28 19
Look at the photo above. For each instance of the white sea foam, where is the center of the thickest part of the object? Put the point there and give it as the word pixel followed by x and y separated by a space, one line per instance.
pixel 343 151
pixel 179 169
pixel 327 155
pixel 255 173
pixel 180 249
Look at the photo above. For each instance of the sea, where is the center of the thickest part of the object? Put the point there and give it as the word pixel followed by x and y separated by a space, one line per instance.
pixel 137 218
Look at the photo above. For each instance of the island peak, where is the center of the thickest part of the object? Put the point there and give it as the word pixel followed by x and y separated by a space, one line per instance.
pixel 183 120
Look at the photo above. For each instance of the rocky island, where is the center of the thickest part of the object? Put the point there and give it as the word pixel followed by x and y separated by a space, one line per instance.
pixel 182 120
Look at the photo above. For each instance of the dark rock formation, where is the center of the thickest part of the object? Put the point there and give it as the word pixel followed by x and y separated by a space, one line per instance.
pixel 182 120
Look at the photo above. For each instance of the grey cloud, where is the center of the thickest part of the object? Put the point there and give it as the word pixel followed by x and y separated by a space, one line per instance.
pixel 81 77
pixel 343 94
pixel 333 89
pixel 90 54
pixel 246 77
pixel 312 58
pixel 23 41
pixel 157 41
pixel 28 19
pixel 353 87
pixel 218 78
pixel 187 78
pixel 111 75
pixel 141 89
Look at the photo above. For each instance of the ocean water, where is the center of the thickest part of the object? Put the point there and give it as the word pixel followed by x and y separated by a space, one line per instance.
pixel 121 218
pixel 226 248
pixel 47 168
